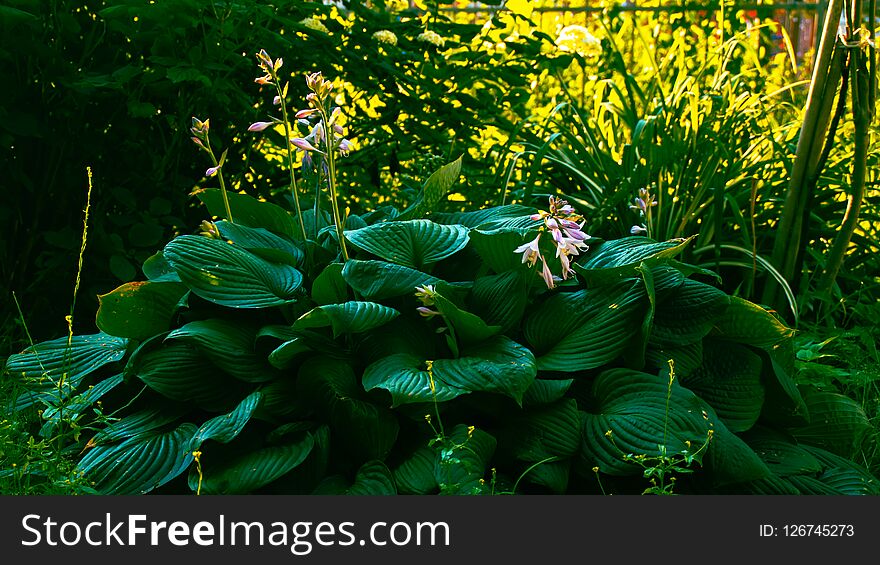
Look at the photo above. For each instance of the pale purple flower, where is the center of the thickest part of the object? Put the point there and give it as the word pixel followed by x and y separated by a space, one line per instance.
pixel 303 144
pixel 426 312
pixel 547 275
pixel 259 126
pixel 530 251
pixel 344 147
pixel 277 100
pixel 305 113
pixel 212 171
pixel 638 230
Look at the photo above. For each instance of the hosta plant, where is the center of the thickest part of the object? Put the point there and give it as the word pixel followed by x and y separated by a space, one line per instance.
pixel 416 352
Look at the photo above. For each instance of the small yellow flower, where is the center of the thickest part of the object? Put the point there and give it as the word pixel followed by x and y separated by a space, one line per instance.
pixel 595 469
pixel 470 431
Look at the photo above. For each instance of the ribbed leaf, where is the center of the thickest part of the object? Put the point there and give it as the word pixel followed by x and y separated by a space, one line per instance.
pixel 226 427
pixel 496 247
pixel 330 287
pixel 586 329
pixel 545 391
pixel 262 242
pixel 43 364
pixel 498 365
pixel 459 470
pixel 686 358
pixel 631 251
pixel 230 276
pixel 729 379
pixel 547 431
pixel 416 474
pixel 468 328
pixel 349 317
pixel 857 479
pixel 414 243
pixel 483 218
pixel 229 345
pixel 157 269
pixel 330 386
pixel 373 479
pixel 781 454
pixel 248 211
pixel 140 464
pixel 687 314
pixel 179 372
pixel 251 471
pixel 837 423
pixel 748 323
pixel 139 310
pixel 500 299
pixel 632 406
pixel 284 355
pixel 139 423
pixel 378 280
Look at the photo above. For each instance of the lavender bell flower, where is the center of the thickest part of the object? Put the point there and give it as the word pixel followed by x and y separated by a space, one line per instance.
pixel 530 251
pixel 259 126
pixel 303 144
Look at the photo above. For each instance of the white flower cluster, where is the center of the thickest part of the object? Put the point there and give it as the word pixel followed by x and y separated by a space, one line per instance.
pixel 577 39
pixel 431 37
pixel 385 36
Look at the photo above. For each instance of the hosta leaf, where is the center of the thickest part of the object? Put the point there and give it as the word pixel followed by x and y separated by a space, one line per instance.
pixel 250 212
pixel 416 474
pixel 632 406
pixel 350 317
pixel 839 470
pixel 781 454
pixel 414 243
pixel 748 323
pixel 729 458
pixel 784 370
pixel 43 364
pixel 467 327
pixel 226 427
pixel 284 355
pixel 140 464
pixel 686 358
pixel 248 472
pixel 687 315
pixel 179 372
pixel 230 276
pixel 434 189
pixel 373 479
pixel 229 345
pixel 378 280
pixel 631 251
pixel 586 329
pixel 553 475
pixel 486 217
pixel 498 365
pixel 545 391
pixel 547 431
pixel 157 269
pixel 729 379
pixel 139 310
pixel 496 247
pixel 500 299
pixel 837 423
pixel 367 431
pixel 262 242
pixel 139 423
pixel 330 287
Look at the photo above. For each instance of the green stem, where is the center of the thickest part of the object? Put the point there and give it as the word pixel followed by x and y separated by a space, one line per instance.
pixel 214 162
pixel 330 144
pixel 293 190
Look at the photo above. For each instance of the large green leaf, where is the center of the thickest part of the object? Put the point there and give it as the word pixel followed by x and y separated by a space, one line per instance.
pixel 687 315
pixel 230 276
pixel 588 328
pixel 157 269
pixel 545 391
pixel 71 410
pixel 781 454
pixel 463 461
pixel 248 472
pixel 140 423
pixel 500 299
pixel 496 247
pixel 139 310
pixel 414 243
pixel 629 252
pixel 226 427
pixel 367 431
pixel 415 475
pixel 349 317
pixel 497 365
pixel 378 280
pixel 179 372
pixel 329 286
pixel 468 328
pixel 229 345
pixel 635 414
pixel 686 358
pixel 139 464
pixel 373 479
pixel 52 368
pixel 729 379
pixel 249 211
pixel 262 242
pixel 837 423
pixel 433 191
pixel 748 323
pixel 487 218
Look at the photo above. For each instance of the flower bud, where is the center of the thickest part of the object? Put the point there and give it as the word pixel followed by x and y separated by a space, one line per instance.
pixel 305 113
pixel 212 171
pixel 303 144
pixel 259 126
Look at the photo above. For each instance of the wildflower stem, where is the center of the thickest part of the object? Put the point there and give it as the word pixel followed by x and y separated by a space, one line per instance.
pixel 215 163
